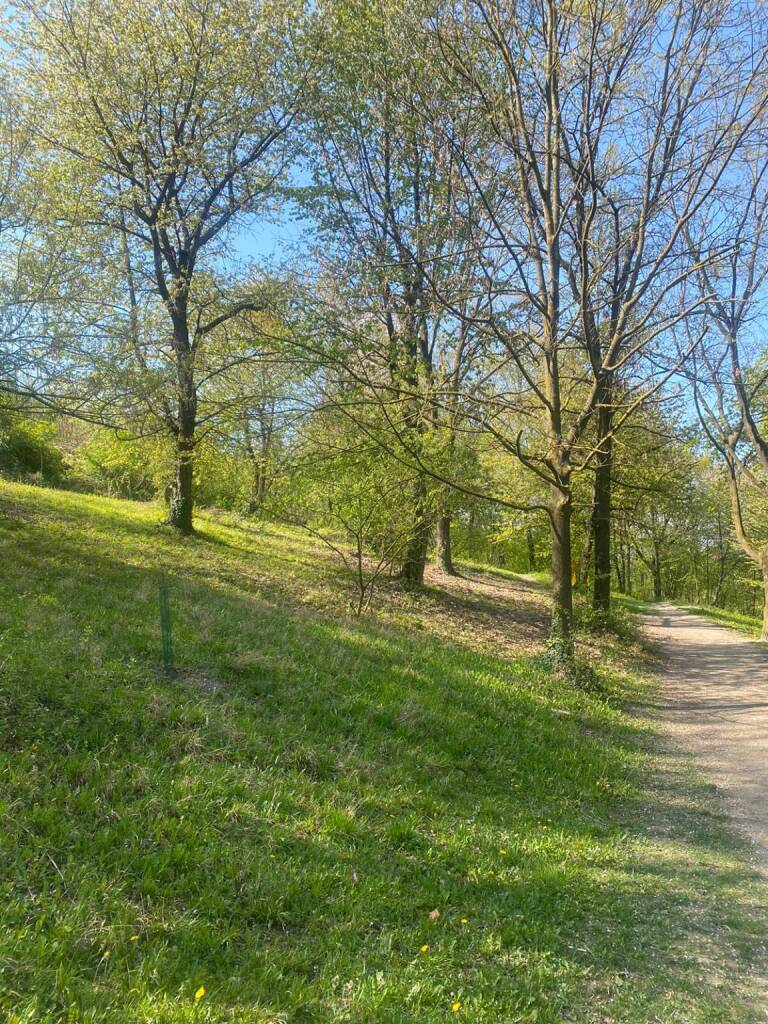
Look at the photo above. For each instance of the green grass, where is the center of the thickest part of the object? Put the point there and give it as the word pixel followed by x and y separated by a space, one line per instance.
pixel 635 605
pixel 280 821
pixel 540 578
pixel 746 623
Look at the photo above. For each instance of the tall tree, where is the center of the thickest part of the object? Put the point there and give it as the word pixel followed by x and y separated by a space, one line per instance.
pixel 27 274
pixel 730 376
pixel 385 203
pixel 178 119
pixel 607 130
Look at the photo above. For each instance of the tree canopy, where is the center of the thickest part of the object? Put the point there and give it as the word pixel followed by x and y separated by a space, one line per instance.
pixel 521 316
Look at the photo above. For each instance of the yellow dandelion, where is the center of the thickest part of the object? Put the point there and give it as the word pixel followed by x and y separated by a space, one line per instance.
pixel 105 955
pixel 465 920
pixel 424 948
pixel 199 994
pixel 455 1007
pixel 134 938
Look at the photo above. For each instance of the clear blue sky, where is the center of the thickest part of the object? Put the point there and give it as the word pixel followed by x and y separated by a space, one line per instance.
pixel 272 242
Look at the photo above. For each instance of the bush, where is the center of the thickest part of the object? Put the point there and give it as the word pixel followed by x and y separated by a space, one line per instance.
pixel 28 452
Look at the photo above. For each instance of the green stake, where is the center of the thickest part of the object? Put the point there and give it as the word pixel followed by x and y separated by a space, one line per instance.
pixel 165 628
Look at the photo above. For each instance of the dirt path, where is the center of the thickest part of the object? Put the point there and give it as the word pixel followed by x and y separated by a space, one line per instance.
pixel 716 700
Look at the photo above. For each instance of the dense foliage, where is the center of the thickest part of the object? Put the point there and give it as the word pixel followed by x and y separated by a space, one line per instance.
pixel 517 325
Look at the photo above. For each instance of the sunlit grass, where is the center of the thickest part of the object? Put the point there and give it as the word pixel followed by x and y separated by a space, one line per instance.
pixel 311 800
pixel 746 623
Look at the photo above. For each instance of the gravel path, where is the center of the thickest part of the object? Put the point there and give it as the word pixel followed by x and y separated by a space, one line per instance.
pixel 716 700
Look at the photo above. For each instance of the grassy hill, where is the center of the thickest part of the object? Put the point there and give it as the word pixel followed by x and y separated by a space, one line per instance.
pixel 394 819
pixel 749 624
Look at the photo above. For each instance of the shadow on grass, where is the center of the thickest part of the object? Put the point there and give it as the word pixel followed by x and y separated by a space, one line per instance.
pixel 533 581
pixel 478 604
pixel 286 839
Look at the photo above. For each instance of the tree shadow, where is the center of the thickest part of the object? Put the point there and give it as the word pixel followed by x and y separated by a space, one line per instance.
pixel 291 830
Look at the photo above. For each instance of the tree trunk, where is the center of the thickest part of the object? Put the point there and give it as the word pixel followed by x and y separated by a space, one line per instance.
pixel 722 554
pixel 180 513
pixel 582 571
pixel 628 570
pixel 259 455
pixel 415 556
pixel 258 486
pixel 182 499
pixel 717 597
pixel 443 544
pixel 657 593
pixel 618 564
pixel 531 549
pixel 601 513
pixel 562 583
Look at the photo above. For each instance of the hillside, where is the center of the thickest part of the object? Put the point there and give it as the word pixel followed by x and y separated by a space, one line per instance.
pixel 318 818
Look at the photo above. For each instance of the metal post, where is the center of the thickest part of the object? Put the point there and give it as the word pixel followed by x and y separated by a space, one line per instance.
pixel 165 628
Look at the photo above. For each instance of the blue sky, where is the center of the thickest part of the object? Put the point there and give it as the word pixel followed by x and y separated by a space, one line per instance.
pixel 273 242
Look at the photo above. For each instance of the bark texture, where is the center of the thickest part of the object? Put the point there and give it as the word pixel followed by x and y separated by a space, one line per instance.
pixel 182 496
pixel 562 586
pixel 415 554
pixel 531 543
pixel 601 513
pixel 443 544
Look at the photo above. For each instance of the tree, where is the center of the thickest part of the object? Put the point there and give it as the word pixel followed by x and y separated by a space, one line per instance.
pixel 345 493
pixel 178 118
pixel 606 132
pixel 21 284
pixel 384 200
pixel 730 377
pixel 257 402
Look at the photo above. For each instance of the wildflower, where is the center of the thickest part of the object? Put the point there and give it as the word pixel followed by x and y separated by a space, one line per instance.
pixel 105 955
pixel 134 938
pixel 199 994
pixel 424 948
pixel 464 920
pixel 455 1007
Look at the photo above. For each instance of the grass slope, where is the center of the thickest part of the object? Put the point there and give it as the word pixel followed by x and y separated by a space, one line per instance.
pixel 321 819
pixel 745 623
